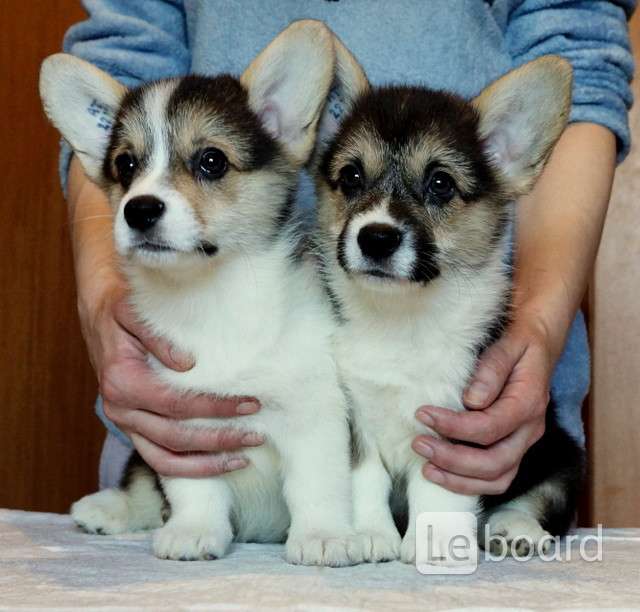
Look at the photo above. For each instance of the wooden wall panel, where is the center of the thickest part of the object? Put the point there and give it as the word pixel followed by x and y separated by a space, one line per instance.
pixel 614 411
pixel 49 438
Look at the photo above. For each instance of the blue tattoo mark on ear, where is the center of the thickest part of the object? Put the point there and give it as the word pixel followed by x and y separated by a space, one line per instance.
pixel 102 113
pixel 335 104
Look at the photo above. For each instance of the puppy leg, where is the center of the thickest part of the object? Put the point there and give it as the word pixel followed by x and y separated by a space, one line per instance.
pixel 450 527
pixel 317 487
pixel 200 525
pixel 372 514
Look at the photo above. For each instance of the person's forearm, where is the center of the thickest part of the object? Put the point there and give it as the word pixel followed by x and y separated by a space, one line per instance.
pixel 559 228
pixel 94 256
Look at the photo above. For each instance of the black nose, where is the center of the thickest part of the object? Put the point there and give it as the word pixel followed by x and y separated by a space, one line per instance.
pixel 143 212
pixel 379 241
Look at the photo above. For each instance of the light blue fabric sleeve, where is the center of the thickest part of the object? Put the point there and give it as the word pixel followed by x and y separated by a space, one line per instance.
pixel 571 380
pixel 110 425
pixel 593 35
pixel 133 40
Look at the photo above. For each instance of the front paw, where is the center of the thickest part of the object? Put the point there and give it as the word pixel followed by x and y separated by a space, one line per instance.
pixel 515 533
pixel 380 546
pixel 324 548
pixel 188 543
pixel 103 513
pixel 447 540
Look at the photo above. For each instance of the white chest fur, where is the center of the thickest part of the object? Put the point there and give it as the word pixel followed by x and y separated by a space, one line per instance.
pixel 397 352
pixel 250 317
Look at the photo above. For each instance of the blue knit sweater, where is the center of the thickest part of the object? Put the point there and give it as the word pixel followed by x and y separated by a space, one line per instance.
pixel 459 45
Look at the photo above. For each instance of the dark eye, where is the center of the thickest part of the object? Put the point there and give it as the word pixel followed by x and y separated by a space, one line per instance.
pixel 126 166
pixel 441 186
pixel 351 179
pixel 213 164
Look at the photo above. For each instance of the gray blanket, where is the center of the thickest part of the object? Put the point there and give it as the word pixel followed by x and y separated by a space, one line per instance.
pixel 45 562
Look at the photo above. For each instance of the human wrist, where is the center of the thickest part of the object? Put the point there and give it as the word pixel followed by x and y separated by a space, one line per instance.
pixel 98 295
pixel 98 279
pixel 544 319
pixel 546 299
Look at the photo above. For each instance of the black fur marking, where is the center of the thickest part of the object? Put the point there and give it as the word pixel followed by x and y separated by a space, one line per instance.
pixel 426 267
pixel 224 97
pixel 341 249
pixel 400 115
pixel 398 502
pixel 356 444
pixel 285 218
pixel 131 103
pixel 398 118
pixel 557 458
pixel 355 436
pixel 322 269
pixel 336 307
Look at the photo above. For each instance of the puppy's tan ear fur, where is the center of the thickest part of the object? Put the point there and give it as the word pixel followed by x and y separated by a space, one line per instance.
pixel 522 116
pixel 81 101
pixel 288 84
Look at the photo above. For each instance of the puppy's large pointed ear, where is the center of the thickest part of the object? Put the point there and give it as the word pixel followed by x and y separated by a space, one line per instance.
pixel 522 115
pixel 81 101
pixel 349 83
pixel 288 84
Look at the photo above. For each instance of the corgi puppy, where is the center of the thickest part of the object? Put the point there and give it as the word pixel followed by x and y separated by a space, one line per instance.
pixel 201 173
pixel 415 193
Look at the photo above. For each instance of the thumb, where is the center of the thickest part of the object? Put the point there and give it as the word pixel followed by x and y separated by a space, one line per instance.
pixel 492 372
pixel 161 349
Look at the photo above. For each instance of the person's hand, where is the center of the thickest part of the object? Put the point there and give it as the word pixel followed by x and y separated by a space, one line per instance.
pixel 507 401
pixel 147 410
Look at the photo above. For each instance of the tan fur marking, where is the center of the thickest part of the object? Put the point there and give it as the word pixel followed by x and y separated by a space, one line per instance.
pixel 259 77
pixel 426 149
pixel 363 145
pixel 197 128
pixel 550 79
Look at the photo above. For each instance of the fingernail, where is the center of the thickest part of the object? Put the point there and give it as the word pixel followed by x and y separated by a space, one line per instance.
pixel 236 464
pixel 181 359
pixel 424 449
pixel 252 439
pixel 434 475
pixel 248 408
pixel 426 418
pixel 477 393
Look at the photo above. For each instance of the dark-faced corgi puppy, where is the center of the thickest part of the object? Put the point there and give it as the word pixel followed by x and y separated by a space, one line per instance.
pixel 201 173
pixel 415 202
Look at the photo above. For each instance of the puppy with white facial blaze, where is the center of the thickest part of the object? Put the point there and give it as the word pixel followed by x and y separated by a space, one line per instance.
pixel 415 203
pixel 201 173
